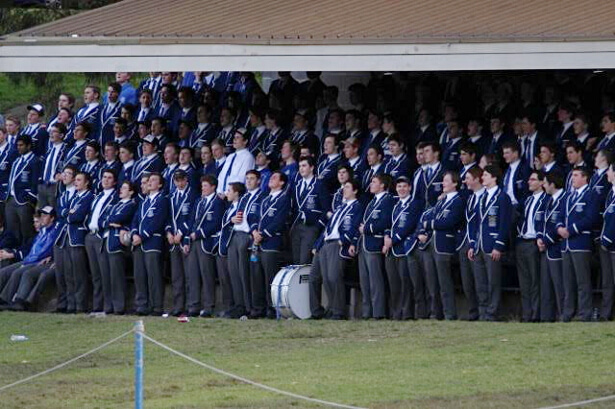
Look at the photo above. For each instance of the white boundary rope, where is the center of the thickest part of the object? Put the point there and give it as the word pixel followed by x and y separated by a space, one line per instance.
pixel 244 380
pixel 62 365
pixel 581 403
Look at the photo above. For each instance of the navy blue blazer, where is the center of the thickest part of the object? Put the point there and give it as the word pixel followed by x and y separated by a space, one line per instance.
pixel 432 187
pixel 149 222
pixel 119 213
pixel 209 169
pixel 519 180
pixel 538 216
pixel 581 214
pixel 256 137
pixel 7 159
pixel 326 171
pixel 272 143
pixel 359 168
pixel 445 221
pixel 146 165
pixel 74 156
pixel 471 209
pixel 547 227
pixel 125 173
pixel 377 223
pixel 490 229
pixel 272 222
pixel 495 146
pixel 370 140
pixel 88 114
pixel 107 119
pixel 292 173
pixel 23 179
pixel 368 175
pixel 404 222
pixel 226 230
pixel 206 220
pixel 607 235
pixel 63 203
pixel 600 185
pixel 180 210
pixel 310 208
pixel 200 137
pixel 349 217
pixel 226 136
pixel 450 155
pixel 40 138
pixel 397 167
pixel 171 115
pixel 77 216
pixel 92 169
pixel 115 166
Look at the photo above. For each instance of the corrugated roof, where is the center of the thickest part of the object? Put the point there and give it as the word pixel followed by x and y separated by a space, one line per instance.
pixel 337 21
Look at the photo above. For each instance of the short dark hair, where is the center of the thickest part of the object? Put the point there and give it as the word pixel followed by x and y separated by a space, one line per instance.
pixel 347 168
pixel 385 179
pixel 512 145
pixel 61 128
pixel 356 186
pixel 556 178
pixel 254 172
pixel 310 160
pixel 476 172
pixel 116 87
pixel 93 144
pixel 468 147
pixel 539 174
pixel 238 187
pixel 131 186
pixel 112 173
pixel 578 147
pixel 551 146
pixel 159 176
pixel 454 178
pixel 211 179
pixel 87 128
pixel 494 171
pixel 85 175
pixel 435 146
pixel 282 175
pixel 25 139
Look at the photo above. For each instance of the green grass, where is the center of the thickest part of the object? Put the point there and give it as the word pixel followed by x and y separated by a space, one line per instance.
pixel 380 364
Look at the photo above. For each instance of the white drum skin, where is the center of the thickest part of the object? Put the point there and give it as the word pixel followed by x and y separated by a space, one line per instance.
pixel 290 292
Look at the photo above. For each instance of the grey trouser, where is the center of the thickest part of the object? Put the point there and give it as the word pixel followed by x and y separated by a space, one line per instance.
pixel 179 264
pixel 33 283
pixel 372 284
pixel 433 285
pixel 93 249
pixel 239 270
pixel 11 287
pixel 262 273
pixel 19 219
pixel 607 263
pixel 488 276
pixel 47 195
pixel 303 238
pixel 400 287
pixel 114 281
pixel 576 268
pixel 62 262
pixel 201 279
pixel 77 280
pixel 528 270
pixel 551 289
pixel 149 283
pixel 467 282
pixel 417 276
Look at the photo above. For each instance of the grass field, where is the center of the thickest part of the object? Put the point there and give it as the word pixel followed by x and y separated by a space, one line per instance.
pixel 375 364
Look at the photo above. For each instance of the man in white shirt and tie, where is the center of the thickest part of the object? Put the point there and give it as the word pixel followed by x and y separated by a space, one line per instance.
pixel 527 252
pixel 101 286
pixel 48 186
pixel 532 141
pixel 237 163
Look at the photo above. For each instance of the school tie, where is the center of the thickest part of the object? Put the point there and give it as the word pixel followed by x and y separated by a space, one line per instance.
pixel 336 217
pixel 429 173
pixel 528 215
pixel 50 166
pixel 528 153
pixel 228 171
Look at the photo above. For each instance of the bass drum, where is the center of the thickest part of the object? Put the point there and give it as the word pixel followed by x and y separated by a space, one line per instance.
pixel 290 292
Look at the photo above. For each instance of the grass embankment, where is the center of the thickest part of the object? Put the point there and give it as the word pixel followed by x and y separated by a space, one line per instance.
pixel 382 364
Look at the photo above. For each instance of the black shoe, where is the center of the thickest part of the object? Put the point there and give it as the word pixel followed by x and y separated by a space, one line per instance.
pixel 17 306
pixel 60 311
pixel 272 315
pixel 119 312
pixel 176 313
pixel 193 313
pixel 256 316
pixel 338 317
pixel 142 313
pixel 156 314
pixel 206 314
pixel 5 307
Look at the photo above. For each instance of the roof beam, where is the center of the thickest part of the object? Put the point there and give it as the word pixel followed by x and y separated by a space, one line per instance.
pixel 60 55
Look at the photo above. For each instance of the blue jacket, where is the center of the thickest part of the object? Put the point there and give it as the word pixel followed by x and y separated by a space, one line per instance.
pixel 371 140
pixel 272 143
pixel 125 174
pixel 24 178
pixel 76 218
pixel 359 168
pixel 146 165
pixel 74 156
pixel 206 221
pixel 580 216
pixel 107 121
pixel 547 227
pixel 172 115
pixel 326 171
pixel 63 204
pixel 42 246
pixel 115 166
pixel 377 223
pixel 88 114
pixel 292 173
pixel 471 209
pixel 539 212
pixel 367 176
pixel 397 168
pixel 450 155
pixel 490 229
pixel 348 228
pixel 92 169
pixel 120 213
pixel 7 159
pixel 404 222
pixel 519 180
pixel 200 137
pixel 272 222
pixel 226 230
pixel 444 221
pixel 149 222
pixel 310 208
pixel 180 209
pixel 432 187
pixel 48 159
pixel 40 138
pixel 607 236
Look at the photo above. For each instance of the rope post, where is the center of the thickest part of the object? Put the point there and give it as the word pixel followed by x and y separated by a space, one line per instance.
pixel 139 330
